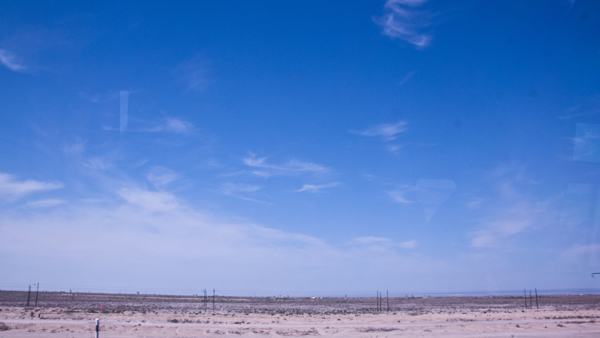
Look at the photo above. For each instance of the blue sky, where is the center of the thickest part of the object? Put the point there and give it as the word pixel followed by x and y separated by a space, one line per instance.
pixel 300 147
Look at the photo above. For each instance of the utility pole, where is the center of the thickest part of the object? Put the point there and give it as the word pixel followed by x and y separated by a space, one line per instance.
pixel 205 296
pixel 530 300
pixel 36 293
pixel 28 295
pixel 387 298
pixel 537 305
pixel 213 300
pixel 525 293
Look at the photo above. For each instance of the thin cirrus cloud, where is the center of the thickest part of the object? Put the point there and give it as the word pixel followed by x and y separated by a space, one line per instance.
pixel 509 222
pixel 174 125
pixel 12 189
pixel 400 195
pixel 405 20
pixel 161 177
pixel 98 163
pixel 167 125
pixel 150 201
pixel 382 243
pixel 579 254
pixel 428 193
pixel 47 203
pixel 586 143
pixel 513 212
pixel 407 77
pixel 194 73
pixel 74 148
pixel 292 167
pixel 387 131
pixel 317 188
pixel 11 61
pixel 237 190
pixel 100 98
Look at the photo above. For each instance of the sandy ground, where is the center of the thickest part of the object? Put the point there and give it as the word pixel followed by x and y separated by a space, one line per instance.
pixel 62 314
pixel 518 323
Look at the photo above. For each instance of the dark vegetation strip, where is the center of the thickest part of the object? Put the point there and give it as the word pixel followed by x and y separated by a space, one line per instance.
pixel 116 303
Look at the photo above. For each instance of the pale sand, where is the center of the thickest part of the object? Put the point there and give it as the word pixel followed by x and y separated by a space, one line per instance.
pixel 56 322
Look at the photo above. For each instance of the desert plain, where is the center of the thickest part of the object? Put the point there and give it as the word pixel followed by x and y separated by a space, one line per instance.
pixel 65 314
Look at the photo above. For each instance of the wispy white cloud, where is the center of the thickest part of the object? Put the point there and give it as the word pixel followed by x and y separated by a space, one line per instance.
pixel 407 77
pixel 95 98
pixel 429 193
pixel 11 61
pixel 408 244
pixel 586 143
pixel 238 189
pixel 404 19
pixel 292 167
pixel 401 194
pixel 387 131
pixel 368 177
pixel 161 177
pixel 167 125
pixel 172 125
pixel 229 188
pixel 194 73
pixel 98 163
pixel 583 257
pixel 369 240
pixel 509 222
pixel 11 189
pixel 177 126
pixel 394 148
pixel 24 49
pixel 425 190
pixel 587 107
pixel 511 211
pixel 317 188
pixel 432 193
pixel 578 200
pixel 576 252
pixel 475 203
pixel 100 98
pixel 150 201
pixel 160 232
pixel 47 203
pixel 74 148
pixel 382 243
pixel 570 3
